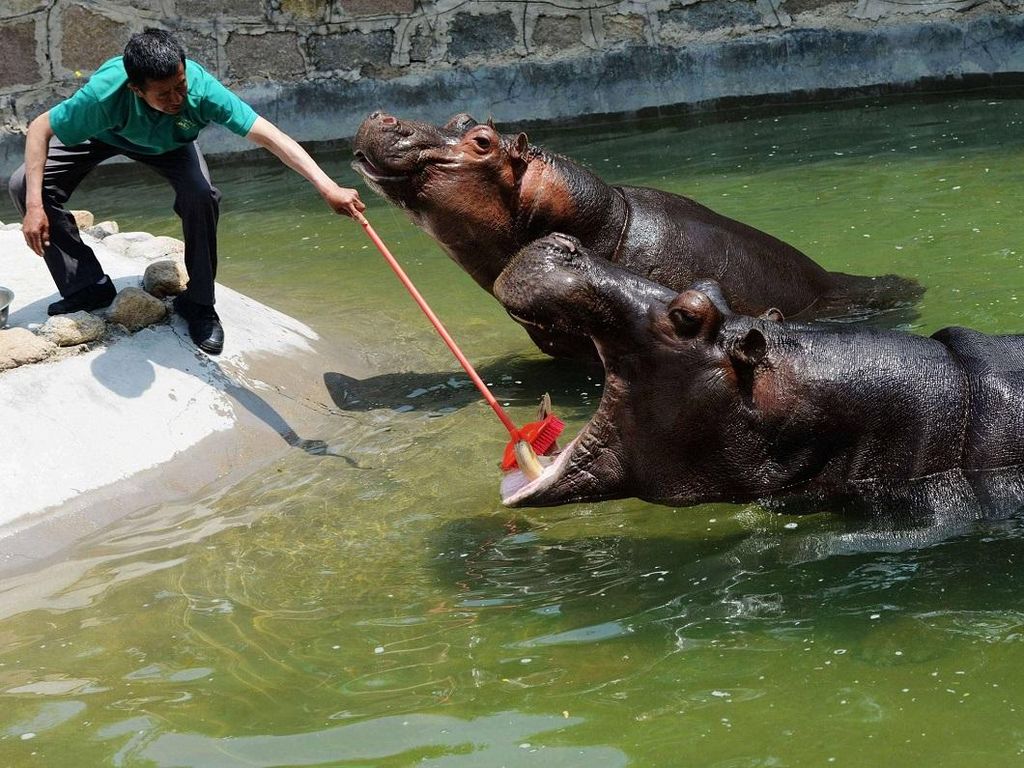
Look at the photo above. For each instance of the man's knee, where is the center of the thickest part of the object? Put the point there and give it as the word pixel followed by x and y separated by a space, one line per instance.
pixel 198 194
pixel 16 186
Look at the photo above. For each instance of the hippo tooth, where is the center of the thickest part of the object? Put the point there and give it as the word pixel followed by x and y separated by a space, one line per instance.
pixel 527 460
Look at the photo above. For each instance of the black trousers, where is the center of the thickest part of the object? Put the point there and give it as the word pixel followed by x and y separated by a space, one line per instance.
pixel 73 264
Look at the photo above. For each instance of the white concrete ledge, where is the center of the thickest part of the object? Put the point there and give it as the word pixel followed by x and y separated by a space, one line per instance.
pixel 102 431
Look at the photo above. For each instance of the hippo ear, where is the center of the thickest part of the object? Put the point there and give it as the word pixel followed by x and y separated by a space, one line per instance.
pixel 693 314
pixel 517 154
pixel 749 350
pixel 490 122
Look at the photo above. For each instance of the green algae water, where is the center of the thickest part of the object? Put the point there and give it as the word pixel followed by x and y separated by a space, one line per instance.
pixel 377 606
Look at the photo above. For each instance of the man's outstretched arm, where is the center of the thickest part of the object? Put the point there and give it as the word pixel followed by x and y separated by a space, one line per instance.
pixel 287 150
pixel 36 226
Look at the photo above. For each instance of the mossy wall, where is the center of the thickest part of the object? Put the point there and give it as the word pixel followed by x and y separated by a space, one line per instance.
pixel 317 67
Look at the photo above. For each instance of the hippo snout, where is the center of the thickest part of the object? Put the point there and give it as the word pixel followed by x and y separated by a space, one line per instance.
pixel 383 118
pixel 552 254
pixel 380 126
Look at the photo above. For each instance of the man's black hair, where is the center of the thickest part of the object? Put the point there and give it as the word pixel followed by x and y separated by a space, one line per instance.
pixel 153 54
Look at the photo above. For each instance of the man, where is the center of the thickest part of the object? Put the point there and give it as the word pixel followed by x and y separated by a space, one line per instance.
pixel 150 105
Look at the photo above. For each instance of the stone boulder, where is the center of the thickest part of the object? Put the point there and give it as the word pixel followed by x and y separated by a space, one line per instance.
pixel 135 309
pixel 144 246
pixel 84 219
pixel 73 329
pixel 122 241
pixel 102 230
pixel 165 278
pixel 19 346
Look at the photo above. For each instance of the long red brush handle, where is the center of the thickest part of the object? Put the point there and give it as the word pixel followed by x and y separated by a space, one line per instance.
pixel 438 326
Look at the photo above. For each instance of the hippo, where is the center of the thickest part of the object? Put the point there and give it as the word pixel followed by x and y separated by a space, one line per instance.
pixel 483 196
pixel 702 404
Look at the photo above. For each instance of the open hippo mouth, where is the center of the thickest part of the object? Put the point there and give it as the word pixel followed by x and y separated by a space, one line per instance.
pixel 529 487
pixel 554 285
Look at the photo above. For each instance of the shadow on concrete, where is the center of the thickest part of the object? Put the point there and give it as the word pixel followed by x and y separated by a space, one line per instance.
pixel 129 370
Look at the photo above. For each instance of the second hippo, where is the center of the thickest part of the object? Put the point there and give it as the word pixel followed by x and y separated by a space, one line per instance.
pixel 484 195
pixel 704 405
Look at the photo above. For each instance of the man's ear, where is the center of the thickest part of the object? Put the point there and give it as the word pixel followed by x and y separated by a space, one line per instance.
pixel 773 314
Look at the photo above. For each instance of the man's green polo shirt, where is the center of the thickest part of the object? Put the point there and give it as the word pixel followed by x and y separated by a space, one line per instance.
pixel 106 109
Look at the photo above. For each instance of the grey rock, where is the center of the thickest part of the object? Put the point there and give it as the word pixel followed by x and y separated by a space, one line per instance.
pixel 352 50
pixel 89 38
pixel 102 230
pixel 165 278
pixel 19 346
pixel 135 309
pixel 557 33
pixel 83 219
pixel 73 329
pixel 270 56
pixel 481 36
pixel 874 10
pixel 122 241
pixel 18 65
pixel 142 245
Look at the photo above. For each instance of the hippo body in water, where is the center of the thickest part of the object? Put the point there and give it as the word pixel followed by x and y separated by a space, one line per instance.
pixel 702 405
pixel 483 196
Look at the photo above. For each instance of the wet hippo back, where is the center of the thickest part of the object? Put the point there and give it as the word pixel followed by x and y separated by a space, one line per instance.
pixel 993 378
pixel 676 241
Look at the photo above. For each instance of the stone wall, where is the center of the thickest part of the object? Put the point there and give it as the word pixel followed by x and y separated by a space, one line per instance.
pixel 317 67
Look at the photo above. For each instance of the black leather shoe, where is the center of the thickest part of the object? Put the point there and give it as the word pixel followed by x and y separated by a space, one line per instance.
pixel 92 297
pixel 203 325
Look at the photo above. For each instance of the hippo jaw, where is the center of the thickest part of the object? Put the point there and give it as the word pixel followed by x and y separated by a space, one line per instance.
pixel 518 490
pixel 543 288
pixel 589 468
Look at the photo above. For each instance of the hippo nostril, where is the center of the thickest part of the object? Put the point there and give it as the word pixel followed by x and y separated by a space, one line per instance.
pixel 566 242
pixel 389 120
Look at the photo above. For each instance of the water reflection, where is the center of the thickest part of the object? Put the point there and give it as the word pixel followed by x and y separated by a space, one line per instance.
pixel 507 739
pixel 513 380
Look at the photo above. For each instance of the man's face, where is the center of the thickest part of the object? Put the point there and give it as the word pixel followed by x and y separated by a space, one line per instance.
pixel 167 95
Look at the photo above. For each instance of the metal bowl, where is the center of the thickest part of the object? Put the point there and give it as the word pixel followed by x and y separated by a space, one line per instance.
pixel 6 297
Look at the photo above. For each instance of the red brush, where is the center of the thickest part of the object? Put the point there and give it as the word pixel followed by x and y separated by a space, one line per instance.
pixel 539 435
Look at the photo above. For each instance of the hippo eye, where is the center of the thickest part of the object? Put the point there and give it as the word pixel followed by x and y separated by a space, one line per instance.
pixel 482 141
pixel 686 324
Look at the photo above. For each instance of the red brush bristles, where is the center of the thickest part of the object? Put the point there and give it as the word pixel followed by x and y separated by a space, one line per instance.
pixel 541 435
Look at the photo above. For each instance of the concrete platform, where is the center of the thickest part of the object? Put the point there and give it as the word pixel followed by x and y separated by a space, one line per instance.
pixel 138 418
